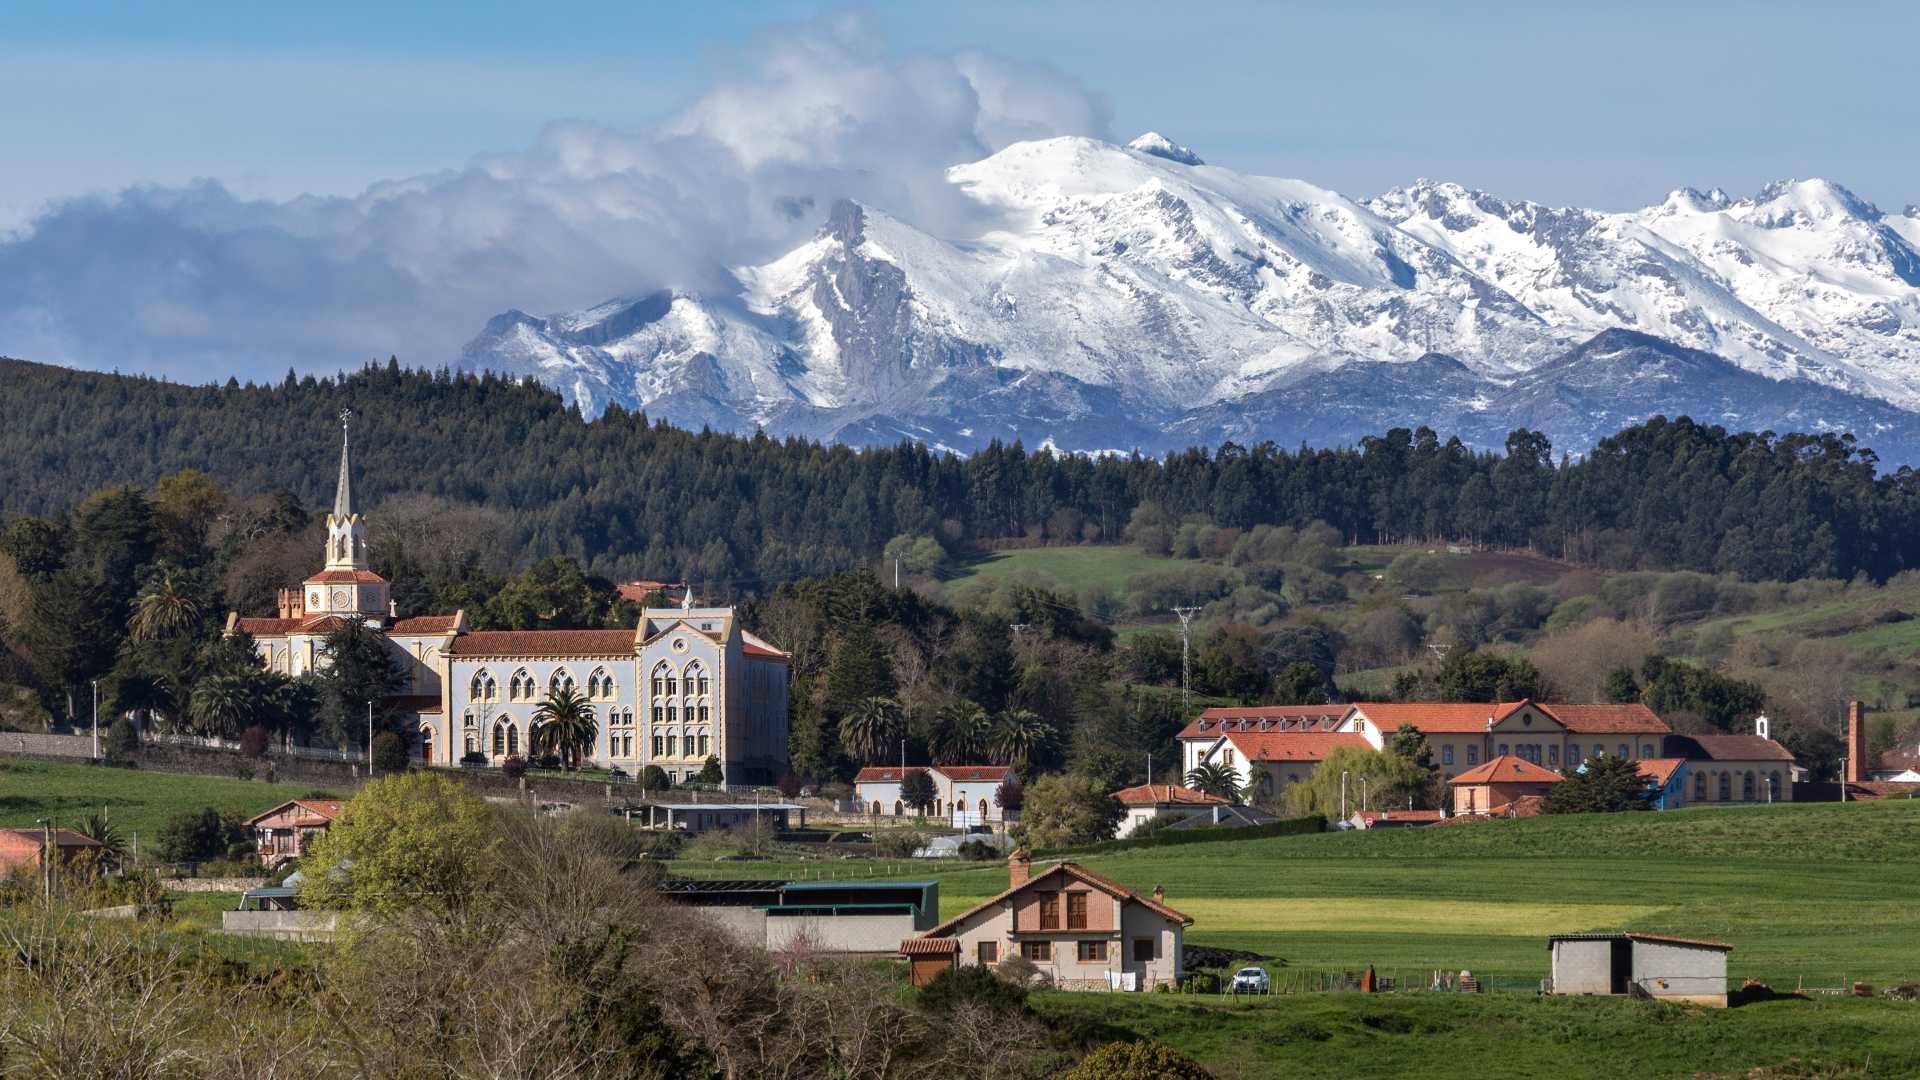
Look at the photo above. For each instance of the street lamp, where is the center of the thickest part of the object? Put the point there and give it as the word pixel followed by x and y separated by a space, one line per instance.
pixel 369 739
pixel 46 855
pixel 1363 794
pixel 96 719
pixel 1343 794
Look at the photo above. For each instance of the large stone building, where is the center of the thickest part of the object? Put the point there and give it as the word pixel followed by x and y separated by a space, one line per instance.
pixel 687 683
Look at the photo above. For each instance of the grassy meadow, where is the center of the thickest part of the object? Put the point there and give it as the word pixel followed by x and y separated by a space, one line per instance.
pixel 135 801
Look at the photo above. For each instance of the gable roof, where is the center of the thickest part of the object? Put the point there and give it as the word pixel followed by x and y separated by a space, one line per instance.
pixel 1728 748
pixel 1660 770
pixel 1293 745
pixel 324 810
pixel 62 838
pixel 427 624
pixel 513 643
pixel 1074 870
pixel 1165 795
pixel 893 774
pixel 753 645
pixel 1635 935
pixel 1507 769
pixel 1597 719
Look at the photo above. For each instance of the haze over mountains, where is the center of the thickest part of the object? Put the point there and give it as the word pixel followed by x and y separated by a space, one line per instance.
pixel 1114 298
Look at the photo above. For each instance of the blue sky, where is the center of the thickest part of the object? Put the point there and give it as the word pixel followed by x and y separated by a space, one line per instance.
pixel 1602 106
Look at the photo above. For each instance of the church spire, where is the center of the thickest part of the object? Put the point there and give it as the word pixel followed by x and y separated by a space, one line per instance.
pixel 343 495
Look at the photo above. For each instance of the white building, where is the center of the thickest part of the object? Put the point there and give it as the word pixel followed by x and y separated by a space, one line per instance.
pixel 1145 802
pixel 686 684
pixel 965 795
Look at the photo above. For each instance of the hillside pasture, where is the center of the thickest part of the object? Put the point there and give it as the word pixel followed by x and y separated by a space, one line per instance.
pixel 135 801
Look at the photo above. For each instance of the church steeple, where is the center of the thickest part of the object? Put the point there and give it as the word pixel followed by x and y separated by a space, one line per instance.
pixel 346 533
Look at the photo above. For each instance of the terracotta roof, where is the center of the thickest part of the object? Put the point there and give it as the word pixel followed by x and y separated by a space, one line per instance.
pixel 1603 719
pixel 1868 790
pixel 257 627
pixel 1660 769
pixel 507 643
pixel 358 577
pixel 919 946
pixel 1729 748
pixel 325 810
pixel 1293 745
pixel 879 774
pixel 1165 795
pixel 425 624
pixel 751 649
pixel 322 624
pixel 1435 716
pixel 1106 885
pixel 1209 723
pixel 1524 806
pixel 62 838
pixel 974 773
pixel 637 591
pixel 1507 769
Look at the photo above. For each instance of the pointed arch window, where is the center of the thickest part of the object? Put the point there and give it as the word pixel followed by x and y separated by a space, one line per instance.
pixel 506 738
pixel 561 682
pixel 483 688
pixel 521 687
pixel 705 716
pixel 600 685
pixel 696 678
pixel 661 673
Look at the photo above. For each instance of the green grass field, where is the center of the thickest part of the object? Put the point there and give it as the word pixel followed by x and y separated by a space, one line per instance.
pixel 135 801
pixel 1072 568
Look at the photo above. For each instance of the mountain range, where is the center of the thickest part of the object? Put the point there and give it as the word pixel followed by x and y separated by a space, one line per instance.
pixel 1112 298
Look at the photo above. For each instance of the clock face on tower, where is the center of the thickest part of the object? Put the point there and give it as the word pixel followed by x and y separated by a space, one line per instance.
pixel 341 598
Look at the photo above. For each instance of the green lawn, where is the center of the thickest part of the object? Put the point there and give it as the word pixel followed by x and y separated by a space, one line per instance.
pixel 1500 1036
pixel 1072 568
pixel 136 801
pixel 1820 893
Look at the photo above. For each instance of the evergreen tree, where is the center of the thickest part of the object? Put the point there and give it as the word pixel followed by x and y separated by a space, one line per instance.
pixel 1601 785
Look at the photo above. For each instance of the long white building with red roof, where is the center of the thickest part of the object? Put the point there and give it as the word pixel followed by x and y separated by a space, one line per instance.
pixel 687 684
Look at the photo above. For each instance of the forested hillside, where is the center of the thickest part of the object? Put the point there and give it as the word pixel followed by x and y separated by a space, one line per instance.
pixel 630 497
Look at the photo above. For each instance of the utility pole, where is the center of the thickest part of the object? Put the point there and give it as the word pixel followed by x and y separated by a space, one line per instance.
pixel 1186 615
pixel 96 719
pixel 369 739
pixel 896 571
pixel 46 856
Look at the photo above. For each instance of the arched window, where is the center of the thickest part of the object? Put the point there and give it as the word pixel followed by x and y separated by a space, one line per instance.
pixel 473 743
pixel 876 808
pixel 426 746
pixel 500 738
pixel 1746 787
pixel 483 688
pixel 1646 749
pixel 561 682
pixel 703 744
pixel 1624 752
pixel 521 686
pixel 673 714
pixel 660 673
pixel 659 714
pixel 1774 795
pixel 1726 787
pixel 1700 787
pixel 897 808
pixel 706 717
pixel 1599 751
pixel 983 809
pixel 686 743
pixel 696 678
pixel 600 685
pixel 1266 784
pixel 657 751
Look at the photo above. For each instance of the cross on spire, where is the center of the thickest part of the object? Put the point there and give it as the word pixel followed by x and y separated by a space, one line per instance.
pixel 343 495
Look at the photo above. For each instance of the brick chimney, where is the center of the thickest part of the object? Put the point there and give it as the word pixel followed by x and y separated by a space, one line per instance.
pixel 1019 868
pixel 1159 895
pixel 1856 743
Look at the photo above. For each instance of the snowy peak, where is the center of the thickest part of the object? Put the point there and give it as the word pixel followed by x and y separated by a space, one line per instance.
pixel 1162 147
pixel 1099 294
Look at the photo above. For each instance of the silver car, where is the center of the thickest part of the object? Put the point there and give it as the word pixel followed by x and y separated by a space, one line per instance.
pixel 1250 980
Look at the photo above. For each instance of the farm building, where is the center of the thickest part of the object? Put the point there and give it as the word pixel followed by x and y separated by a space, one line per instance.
pixel 1640 965
pixel 851 918
pixel 1668 778
pixel 697 817
pixel 1146 802
pixel 966 795
pixel 25 847
pixel 284 833
pixel 1495 786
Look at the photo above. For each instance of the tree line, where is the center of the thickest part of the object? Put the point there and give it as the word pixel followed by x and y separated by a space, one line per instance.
pixel 626 496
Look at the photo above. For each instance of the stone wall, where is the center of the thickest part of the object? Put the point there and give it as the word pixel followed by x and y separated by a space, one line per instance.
pixel 53 746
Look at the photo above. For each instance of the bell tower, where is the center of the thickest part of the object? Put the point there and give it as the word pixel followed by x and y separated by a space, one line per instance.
pixel 348 586
pixel 346 533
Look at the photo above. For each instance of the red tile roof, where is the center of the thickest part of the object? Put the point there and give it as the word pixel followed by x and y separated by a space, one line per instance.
pixel 919 946
pixel 258 627
pixel 1732 748
pixel 753 648
pixel 1869 790
pixel 1507 769
pixel 62 838
pixel 1209 723
pixel 512 643
pixel 1605 719
pixel 1106 885
pixel 425 624
pixel 880 774
pixel 323 810
pixel 358 577
pixel 1165 795
pixel 975 773
pixel 1435 716
pixel 1660 770
pixel 1293 745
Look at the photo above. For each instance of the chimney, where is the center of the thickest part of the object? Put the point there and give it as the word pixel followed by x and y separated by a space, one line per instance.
pixel 1019 868
pixel 1159 895
pixel 1856 744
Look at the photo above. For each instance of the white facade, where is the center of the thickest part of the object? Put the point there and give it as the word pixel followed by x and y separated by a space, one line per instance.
pixel 964 795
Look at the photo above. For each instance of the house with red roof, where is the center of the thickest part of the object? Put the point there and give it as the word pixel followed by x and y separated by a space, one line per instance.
pixel 1084 931
pixel 1553 735
pixel 965 795
pixel 1266 763
pixel 687 685
pixel 284 833
pixel 1492 788
pixel 1148 802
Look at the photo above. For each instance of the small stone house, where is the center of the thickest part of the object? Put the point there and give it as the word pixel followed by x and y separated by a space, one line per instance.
pixel 24 847
pixel 1641 965
pixel 1493 787
pixel 1082 930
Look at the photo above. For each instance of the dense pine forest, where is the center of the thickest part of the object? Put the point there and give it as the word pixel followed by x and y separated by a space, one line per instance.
pixel 628 497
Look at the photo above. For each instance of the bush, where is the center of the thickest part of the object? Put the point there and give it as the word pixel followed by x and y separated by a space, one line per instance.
pixel 122 744
pixel 198 835
pixel 1023 973
pixel 978 851
pixel 1143 1060
pixel 899 843
pixel 473 757
pixel 654 778
pixel 972 983
pixel 789 785
pixel 547 761
pixel 514 766
pixel 710 771
pixel 389 753
pixel 253 741
pixel 1202 982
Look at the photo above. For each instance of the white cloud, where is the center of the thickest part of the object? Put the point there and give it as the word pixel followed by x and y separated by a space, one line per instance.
pixel 196 282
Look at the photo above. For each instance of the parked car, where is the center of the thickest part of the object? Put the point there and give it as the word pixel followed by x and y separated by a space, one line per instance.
pixel 1251 980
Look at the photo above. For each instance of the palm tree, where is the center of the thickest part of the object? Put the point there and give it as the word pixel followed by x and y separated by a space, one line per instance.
pixel 1020 736
pixel 164 608
pixel 962 733
pixel 870 729
pixel 221 706
pixel 1213 778
pixel 95 826
pixel 565 724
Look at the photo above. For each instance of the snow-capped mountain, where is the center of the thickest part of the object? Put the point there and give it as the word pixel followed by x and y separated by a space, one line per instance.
pixel 1116 297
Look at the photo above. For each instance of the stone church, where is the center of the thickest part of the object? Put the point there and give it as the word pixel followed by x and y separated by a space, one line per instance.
pixel 685 684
